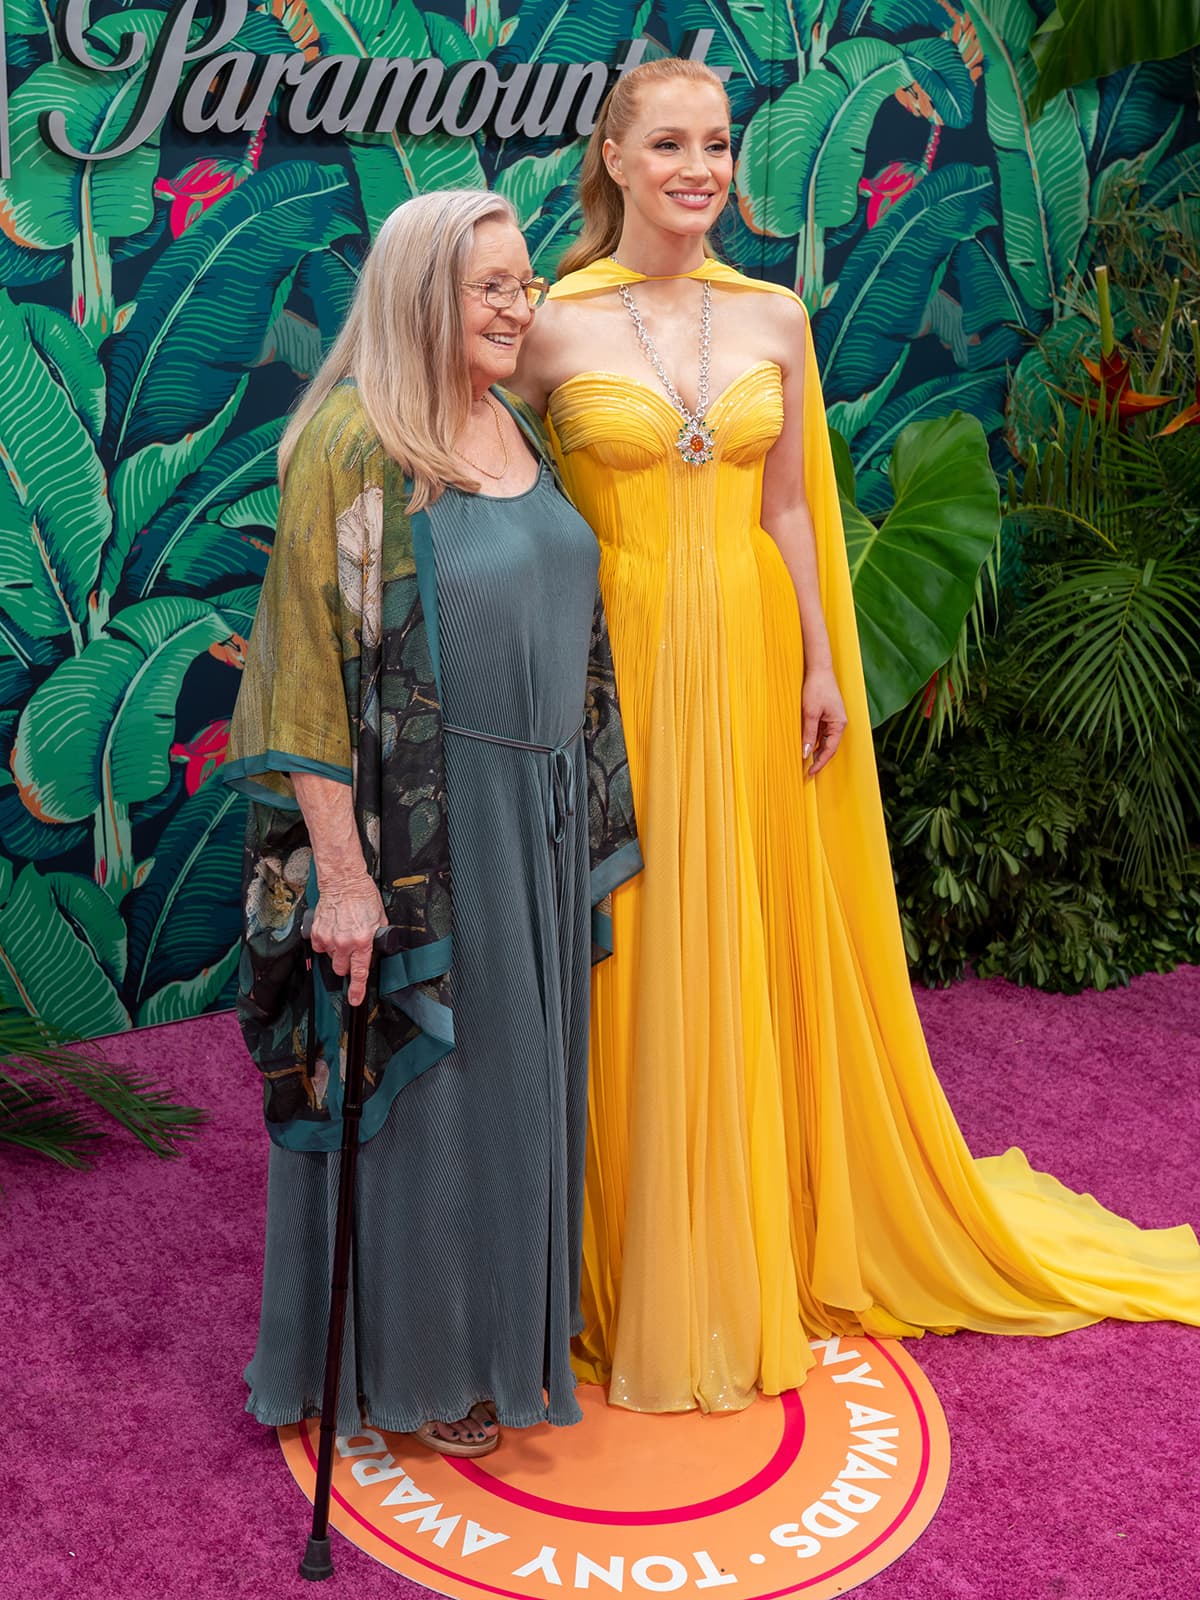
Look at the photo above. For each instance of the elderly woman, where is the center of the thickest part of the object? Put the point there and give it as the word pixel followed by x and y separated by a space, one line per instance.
pixel 428 732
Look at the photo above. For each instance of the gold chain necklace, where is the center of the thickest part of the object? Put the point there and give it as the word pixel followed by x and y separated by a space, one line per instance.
pixel 495 476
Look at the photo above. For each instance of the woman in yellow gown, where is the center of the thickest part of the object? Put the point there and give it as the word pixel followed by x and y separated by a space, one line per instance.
pixel 771 1157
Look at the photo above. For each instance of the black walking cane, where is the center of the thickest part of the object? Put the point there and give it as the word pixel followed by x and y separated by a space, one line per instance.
pixel 317 1561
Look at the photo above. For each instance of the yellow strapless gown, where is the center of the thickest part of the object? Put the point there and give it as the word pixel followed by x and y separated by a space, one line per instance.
pixel 771 1156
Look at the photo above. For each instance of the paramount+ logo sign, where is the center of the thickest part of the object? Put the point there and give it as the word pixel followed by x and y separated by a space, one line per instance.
pixel 192 70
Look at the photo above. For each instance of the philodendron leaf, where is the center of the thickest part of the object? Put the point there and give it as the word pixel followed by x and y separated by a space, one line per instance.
pixel 57 488
pixel 100 727
pixel 1084 39
pixel 53 961
pixel 914 575
pixel 843 466
pixel 980 394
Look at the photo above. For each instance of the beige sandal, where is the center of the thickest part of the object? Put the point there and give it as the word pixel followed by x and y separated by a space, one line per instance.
pixel 459 1447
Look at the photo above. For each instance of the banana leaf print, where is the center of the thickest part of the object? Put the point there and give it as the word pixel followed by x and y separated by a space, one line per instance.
pixel 530 182
pixel 756 41
pixel 113 707
pixel 183 922
pixel 1132 109
pixel 1042 167
pixel 167 553
pixel 542 191
pixel 883 292
pixel 56 513
pixel 327 279
pixel 159 311
pixel 556 30
pixel 55 932
pixel 391 168
pixel 178 373
pixel 802 164
pixel 51 200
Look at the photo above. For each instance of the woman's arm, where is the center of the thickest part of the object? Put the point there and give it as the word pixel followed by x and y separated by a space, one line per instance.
pixel 546 356
pixel 349 911
pixel 788 520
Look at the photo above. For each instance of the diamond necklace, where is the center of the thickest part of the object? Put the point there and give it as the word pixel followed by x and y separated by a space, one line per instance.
pixel 695 441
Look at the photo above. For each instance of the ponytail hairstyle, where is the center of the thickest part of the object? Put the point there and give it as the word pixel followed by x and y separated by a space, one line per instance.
pixel 403 341
pixel 601 200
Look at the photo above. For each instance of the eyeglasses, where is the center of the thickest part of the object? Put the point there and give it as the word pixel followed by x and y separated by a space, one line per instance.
pixel 500 292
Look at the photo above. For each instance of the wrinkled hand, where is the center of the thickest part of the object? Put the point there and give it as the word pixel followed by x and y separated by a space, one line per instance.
pixel 347 917
pixel 823 718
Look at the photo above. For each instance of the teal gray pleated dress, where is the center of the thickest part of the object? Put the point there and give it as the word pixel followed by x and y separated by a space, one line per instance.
pixel 469 1198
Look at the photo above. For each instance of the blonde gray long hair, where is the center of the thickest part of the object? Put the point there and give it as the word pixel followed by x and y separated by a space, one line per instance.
pixel 403 342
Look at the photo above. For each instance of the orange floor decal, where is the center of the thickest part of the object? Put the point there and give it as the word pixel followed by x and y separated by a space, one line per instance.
pixel 808 1495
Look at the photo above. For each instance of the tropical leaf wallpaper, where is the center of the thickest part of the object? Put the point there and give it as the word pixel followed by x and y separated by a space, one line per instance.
pixel 159 310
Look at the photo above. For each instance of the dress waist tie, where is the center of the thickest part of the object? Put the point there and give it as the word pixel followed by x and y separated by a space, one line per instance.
pixel 560 789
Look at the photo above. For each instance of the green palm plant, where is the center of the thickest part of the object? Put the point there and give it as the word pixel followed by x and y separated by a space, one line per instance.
pixel 1111 641
pixel 54 1100
pixel 1048 828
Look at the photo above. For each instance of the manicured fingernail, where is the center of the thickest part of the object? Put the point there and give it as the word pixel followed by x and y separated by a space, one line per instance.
pixel 807 751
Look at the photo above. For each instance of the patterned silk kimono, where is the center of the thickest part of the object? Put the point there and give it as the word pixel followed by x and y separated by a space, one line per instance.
pixel 342 680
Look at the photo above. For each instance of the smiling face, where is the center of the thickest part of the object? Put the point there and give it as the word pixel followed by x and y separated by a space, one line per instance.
pixel 674 162
pixel 492 335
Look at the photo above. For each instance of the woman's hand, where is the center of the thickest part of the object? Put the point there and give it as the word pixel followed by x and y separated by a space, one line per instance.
pixel 348 915
pixel 823 718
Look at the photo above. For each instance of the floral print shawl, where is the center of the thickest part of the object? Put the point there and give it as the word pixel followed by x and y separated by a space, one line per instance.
pixel 341 680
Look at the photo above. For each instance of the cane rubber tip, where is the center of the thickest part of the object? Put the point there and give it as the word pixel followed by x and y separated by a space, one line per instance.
pixel 317 1562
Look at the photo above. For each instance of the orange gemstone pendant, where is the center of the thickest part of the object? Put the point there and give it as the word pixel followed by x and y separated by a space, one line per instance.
pixel 696 443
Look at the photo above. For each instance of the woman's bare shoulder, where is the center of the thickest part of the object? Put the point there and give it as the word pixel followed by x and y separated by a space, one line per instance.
pixel 562 342
pixel 763 321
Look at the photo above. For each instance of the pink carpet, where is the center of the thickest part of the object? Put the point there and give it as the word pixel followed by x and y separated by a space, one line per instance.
pixel 129 1297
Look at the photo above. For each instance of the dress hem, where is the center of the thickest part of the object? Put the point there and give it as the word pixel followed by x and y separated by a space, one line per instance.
pixel 274 1416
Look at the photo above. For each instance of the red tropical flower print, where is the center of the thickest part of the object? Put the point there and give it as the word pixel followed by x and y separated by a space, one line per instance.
pixel 888 186
pixel 202 755
pixel 204 183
